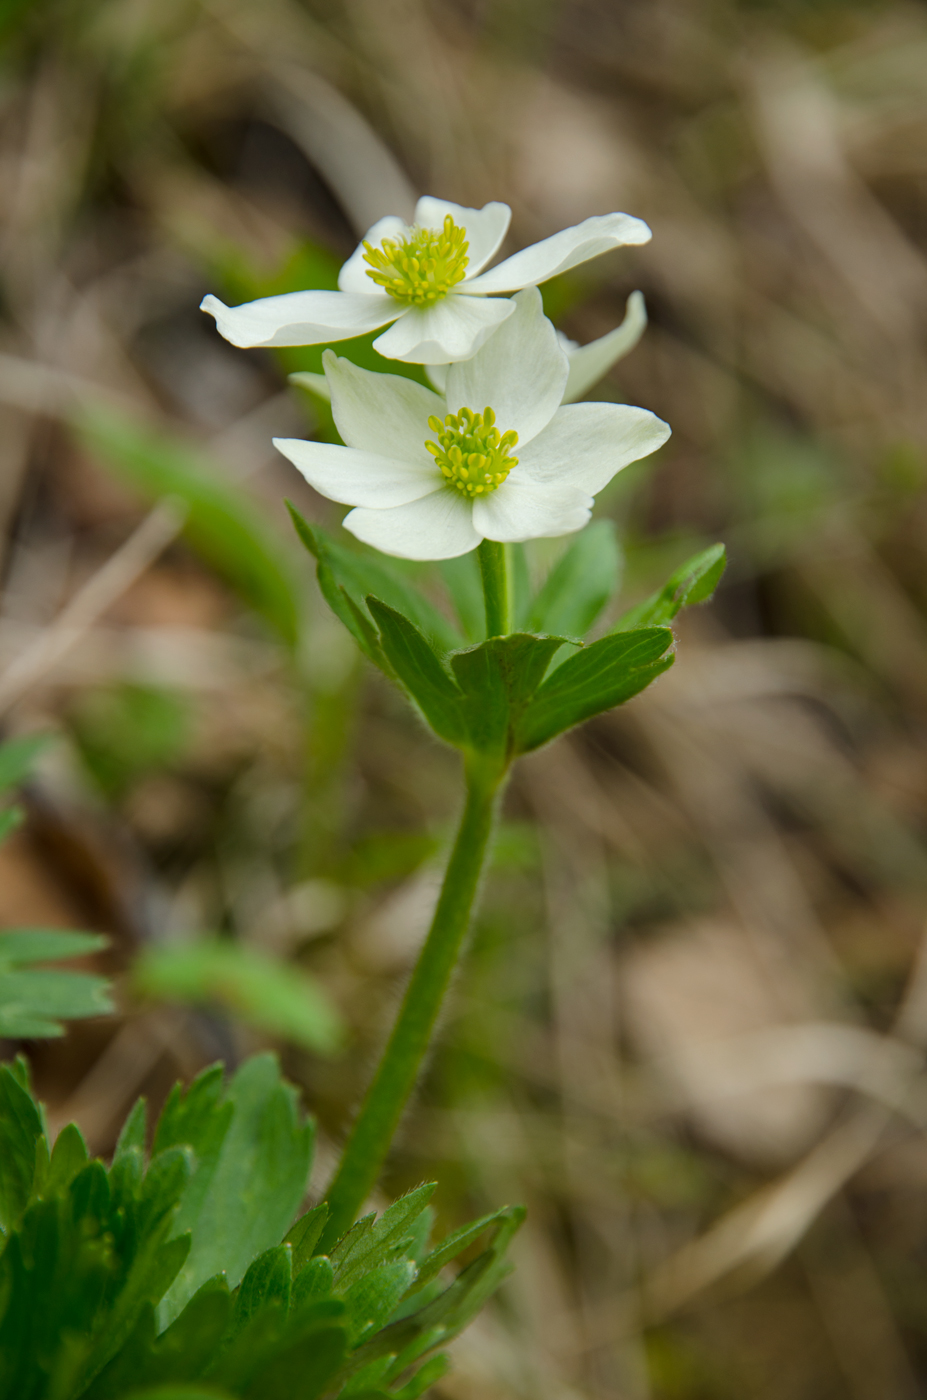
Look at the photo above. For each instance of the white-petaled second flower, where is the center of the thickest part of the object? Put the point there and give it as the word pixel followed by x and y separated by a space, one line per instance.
pixel 494 457
pixel 426 282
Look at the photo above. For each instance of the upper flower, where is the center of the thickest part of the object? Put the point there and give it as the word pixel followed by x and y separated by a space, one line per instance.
pixel 427 280
pixel 494 456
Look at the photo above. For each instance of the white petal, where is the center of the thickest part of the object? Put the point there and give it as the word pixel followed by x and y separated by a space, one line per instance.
pixel 437 376
pixel 485 227
pixel 589 362
pixel 524 510
pixel 585 444
pixel 353 275
pixel 520 373
pixel 315 383
pixel 559 252
pixel 452 329
pixel 382 413
pixel 358 478
pixel 439 526
pixel 301 318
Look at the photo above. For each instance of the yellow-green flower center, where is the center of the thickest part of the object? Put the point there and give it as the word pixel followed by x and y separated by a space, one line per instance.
pixel 471 452
pixel 422 268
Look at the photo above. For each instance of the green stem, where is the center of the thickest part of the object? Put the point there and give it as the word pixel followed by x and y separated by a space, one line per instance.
pixel 402 1060
pixel 495 588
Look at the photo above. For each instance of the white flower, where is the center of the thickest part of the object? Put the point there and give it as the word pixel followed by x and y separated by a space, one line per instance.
pixel 427 280
pixel 495 457
pixel 587 363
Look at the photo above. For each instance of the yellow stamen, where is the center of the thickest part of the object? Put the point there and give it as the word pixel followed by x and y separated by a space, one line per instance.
pixel 420 269
pixel 471 453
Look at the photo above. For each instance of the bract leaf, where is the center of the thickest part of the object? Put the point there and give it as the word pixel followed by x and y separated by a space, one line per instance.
pixel 693 582
pixel 421 671
pixel 222 522
pixel 579 585
pixel 597 678
pixel 498 679
pixel 360 573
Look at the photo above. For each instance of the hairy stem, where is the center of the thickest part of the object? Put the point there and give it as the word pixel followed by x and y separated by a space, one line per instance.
pixel 494 572
pixel 402 1060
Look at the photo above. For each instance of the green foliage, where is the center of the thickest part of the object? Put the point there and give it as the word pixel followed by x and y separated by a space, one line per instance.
pixel 508 695
pixel 693 582
pixel 174 1278
pixel 493 698
pixel 263 992
pixel 221 522
pixel 347 576
pixel 35 999
pixel 126 731
pixel 579 585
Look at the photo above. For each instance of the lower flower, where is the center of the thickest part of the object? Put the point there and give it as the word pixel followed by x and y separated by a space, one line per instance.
pixel 494 456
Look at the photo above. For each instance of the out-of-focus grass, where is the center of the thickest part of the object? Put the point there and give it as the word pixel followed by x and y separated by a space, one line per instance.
pixel 689 1033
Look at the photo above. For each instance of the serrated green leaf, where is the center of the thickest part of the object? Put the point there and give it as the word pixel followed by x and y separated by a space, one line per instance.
pixel 20 1130
pixel 69 1156
pixel 421 672
pixel 602 675
pixel 265 993
pixel 455 1244
pixel 178 1392
pixel 180 1354
pixel 693 582
pixel 371 1242
pixel 251 1186
pixel 579 585
pixel 314 1281
pixel 304 1369
pixel 374 1297
pixel 222 523
pixel 304 1235
pixel 134 1130
pixel 361 572
pixel 267 1283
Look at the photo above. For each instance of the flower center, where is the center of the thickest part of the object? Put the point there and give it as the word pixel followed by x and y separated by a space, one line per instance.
pixel 471 452
pixel 420 269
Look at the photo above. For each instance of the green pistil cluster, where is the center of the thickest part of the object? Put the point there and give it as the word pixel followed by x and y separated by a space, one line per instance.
pixel 471 452
pixel 421 269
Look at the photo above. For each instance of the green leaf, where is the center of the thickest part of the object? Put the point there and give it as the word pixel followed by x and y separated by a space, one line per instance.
pixel 455 1244
pixel 69 1156
pixel 595 679
pixel 134 1130
pixel 263 992
pixel 421 671
pixel 223 523
pixel 180 1353
pixel 17 757
pixel 29 945
pixel 579 585
pixel 304 1235
pixel 693 582
pixel 267 1283
pixel 374 1297
pixel 178 1392
pixel 360 573
pixel 20 1131
pixel 497 679
pixel 372 1242
pixel 243 1196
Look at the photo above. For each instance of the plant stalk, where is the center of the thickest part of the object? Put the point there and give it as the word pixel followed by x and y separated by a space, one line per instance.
pixel 496 591
pixel 402 1060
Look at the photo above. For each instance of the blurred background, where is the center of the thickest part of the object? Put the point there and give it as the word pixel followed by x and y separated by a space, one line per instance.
pixel 690 1034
